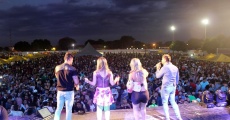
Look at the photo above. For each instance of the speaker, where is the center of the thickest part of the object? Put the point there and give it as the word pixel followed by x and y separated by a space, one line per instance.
pixel 207 105
pixel 210 105
pixel 45 114
pixel 207 97
pixel 221 104
pixel 220 96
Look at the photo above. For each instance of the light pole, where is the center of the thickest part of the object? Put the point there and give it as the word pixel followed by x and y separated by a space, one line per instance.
pixel 73 45
pixel 205 22
pixel 173 28
pixel 144 48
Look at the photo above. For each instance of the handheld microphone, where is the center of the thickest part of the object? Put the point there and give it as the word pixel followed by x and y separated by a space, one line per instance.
pixel 157 64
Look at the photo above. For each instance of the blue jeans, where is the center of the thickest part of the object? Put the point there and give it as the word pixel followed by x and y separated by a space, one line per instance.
pixel 168 93
pixel 66 97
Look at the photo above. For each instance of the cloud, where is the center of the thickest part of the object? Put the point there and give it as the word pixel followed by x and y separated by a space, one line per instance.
pixel 109 19
pixel 91 3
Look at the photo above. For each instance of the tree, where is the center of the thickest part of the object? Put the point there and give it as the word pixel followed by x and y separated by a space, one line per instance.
pixel 126 41
pixel 47 44
pixel 6 49
pixel 101 44
pixel 66 43
pixel 40 44
pixel 178 46
pixel 115 44
pixel 22 46
pixel 1 49
pixel 194 44
pixel 100 41
pixel 224 42
pixel 138 44
pixel 211 45
pixel 90 41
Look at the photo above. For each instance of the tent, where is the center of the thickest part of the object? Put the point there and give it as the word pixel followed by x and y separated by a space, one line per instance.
pixel 88 50
pixel 36 55
pixel 3 61
pixel 29 56
pixel 207 57
pixel 220 58
pixel 16 58
pixel 39 55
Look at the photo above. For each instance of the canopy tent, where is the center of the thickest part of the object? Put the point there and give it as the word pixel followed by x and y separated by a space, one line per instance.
pixel 88 50
pixel 36 55
pixel 16 58
pixel 30 56
pixel 39 55
pixel 207 57
pixel 220 58
pixel 3 61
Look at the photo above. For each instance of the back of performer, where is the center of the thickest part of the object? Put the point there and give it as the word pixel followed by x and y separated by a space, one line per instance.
pixel 103 89
pixel 67 78
pixel 102 79
pixel 140 90
pixel 170 77
pixel 138 84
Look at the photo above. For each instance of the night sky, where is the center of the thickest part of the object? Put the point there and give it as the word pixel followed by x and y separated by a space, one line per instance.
pixel 146 20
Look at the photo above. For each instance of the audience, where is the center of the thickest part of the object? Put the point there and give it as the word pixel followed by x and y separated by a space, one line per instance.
pixel 28 86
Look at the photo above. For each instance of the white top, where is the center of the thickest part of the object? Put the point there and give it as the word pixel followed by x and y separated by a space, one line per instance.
pixel 134 82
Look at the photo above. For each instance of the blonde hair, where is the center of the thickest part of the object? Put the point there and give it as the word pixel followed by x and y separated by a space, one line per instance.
pixel 167 57
pixel 136 67
pixel 135 64
pixel 102 64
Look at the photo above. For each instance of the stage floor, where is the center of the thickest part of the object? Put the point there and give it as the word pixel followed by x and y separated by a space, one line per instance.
pixel 190 111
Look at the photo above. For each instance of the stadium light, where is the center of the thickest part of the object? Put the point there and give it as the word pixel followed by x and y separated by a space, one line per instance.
pixel 73 46
pixel 205 22
pixel 173 28
pixel 154 45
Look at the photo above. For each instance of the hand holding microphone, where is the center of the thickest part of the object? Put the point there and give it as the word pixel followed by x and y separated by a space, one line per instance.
pixel 158 66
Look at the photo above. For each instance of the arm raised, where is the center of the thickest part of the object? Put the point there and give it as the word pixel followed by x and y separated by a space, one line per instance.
pixel 94 79
pixel 113 82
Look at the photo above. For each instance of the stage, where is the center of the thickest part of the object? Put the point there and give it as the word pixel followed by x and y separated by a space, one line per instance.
pixel 190 111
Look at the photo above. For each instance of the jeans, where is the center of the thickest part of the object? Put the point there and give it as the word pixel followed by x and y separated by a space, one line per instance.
pixel 66 97
pixel 168 93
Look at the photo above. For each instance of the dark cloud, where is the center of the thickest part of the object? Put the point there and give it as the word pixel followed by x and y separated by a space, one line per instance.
pixel 145 20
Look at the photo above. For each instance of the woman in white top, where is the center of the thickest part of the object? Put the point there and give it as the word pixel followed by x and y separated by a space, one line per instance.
pixel 137 83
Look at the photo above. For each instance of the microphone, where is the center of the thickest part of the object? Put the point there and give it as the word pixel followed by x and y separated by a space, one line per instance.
pixel 157 64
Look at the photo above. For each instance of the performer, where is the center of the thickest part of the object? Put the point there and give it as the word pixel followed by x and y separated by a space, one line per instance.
pixel 67 78
pixel 3 113
pixel 103 97
pixel 137 83
pixel 170 79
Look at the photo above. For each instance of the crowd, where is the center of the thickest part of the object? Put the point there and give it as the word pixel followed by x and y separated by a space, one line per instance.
pixel 28 86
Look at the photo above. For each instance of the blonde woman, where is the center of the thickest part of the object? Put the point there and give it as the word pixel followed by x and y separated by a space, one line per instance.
pixel 102 78
pixel 137 83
